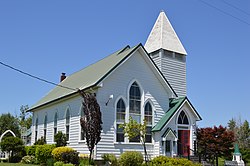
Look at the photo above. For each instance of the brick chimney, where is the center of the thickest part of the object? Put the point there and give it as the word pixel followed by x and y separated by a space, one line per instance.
pixel 63 76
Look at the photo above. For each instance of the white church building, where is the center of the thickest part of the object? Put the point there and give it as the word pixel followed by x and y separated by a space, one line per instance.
pixel 143 82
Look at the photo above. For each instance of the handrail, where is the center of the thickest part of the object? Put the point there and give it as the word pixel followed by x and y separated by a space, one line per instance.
pixel 196 153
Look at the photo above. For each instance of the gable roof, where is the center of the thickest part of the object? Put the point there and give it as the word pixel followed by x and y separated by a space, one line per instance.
pixel 163 36
pixel 169 130
pixel 175 105
pixel 91 76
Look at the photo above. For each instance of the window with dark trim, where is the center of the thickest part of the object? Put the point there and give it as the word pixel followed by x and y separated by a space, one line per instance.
pixel 148 118
pixel 45 127
pixel 82 136
pixel 67 124
pixel 36 129
pixel 183 118
pixel 55 124
pixel 135 105
pixel 120 119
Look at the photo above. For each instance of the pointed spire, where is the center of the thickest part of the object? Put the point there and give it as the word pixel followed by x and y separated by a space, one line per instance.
pixel 163 36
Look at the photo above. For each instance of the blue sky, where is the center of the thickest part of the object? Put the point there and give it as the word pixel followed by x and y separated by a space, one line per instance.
pixel 46 38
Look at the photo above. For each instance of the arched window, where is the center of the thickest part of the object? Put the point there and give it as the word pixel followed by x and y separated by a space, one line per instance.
pixel 120 119
pixel 36 129
pixel 82 136
pixel 182 119
pixel 55 124
pixel 45 127
pixel 67 123
pixel 135 106
pixel 135 102
pixel 148 118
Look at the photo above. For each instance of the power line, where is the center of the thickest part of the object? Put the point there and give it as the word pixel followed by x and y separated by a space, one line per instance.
pixel 235 7
pixel 35 77
pixel 224 12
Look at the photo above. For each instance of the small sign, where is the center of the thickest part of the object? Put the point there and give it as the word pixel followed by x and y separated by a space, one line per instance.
pixel 231 163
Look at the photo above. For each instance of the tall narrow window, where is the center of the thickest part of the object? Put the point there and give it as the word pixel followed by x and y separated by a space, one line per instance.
pixel 148 118
pixel 45 127
pixel 36 129
pixel 67 123
pixel 120 119
pixel 183 118
pixel 82 136
pixel 135 106
pixel 55 124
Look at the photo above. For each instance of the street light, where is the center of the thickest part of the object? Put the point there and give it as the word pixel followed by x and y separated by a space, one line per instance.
pixel 216 147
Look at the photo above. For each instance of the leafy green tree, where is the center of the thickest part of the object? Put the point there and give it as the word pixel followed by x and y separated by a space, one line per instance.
pixel 60 139
pixel 133 129
pixel 25 117
pixel 91 122
pixel 9 122
pixel 12 145
pixel 241 131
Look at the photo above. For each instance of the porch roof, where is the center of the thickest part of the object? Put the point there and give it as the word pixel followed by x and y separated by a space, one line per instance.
pixel 174 106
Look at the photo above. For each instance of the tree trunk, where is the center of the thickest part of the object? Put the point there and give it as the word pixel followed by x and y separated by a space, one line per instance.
pixel 90 156
pixel 145 153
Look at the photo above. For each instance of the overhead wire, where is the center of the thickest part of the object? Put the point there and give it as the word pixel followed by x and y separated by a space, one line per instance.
pixel 235 7
pixel 224 12
pixel 36 77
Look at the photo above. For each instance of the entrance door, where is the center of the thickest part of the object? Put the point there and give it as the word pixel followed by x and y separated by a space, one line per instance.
pixel 183 142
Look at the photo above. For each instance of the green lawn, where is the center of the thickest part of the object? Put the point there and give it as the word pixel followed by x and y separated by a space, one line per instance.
pixel 16 164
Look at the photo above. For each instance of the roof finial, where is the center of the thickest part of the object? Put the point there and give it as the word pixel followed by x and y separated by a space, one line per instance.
pixel 162 10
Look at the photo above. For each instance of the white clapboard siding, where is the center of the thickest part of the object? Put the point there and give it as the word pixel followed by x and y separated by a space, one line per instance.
pixel 173 67
pixel 116 84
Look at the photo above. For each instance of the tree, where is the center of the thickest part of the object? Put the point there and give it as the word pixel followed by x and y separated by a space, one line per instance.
pixel 133 129
pixel 60 139
pixel 12 145
pixel 25 117
pixel 215 141
pixel 241 131
pixel 9 122
pixel 91 122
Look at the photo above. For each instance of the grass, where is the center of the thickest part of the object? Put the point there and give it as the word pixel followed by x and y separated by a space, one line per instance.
pixel 15 164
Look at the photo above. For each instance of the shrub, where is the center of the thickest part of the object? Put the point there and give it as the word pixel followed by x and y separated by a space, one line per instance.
pixel 60 139
pixel 50 162
pixel 69 164
pixel 57 152
pixel 31 150
pixel 43 152
pixel 164 160
pixel 28 160
pixel 58 163
pixel 40 141
pixel 84 161
pixel 111 159
pixel 71 157
pixel 131 158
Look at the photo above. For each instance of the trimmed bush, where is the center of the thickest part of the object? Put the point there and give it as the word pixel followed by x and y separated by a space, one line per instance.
pixel 111 159
pixel 71 157
pixel 57 152
pixel 58 163
pixel 131 158
pixel 69 164
pixel 31 150
pixel 28 160
pixel 168 161
pixel 40 141
pixel 43 152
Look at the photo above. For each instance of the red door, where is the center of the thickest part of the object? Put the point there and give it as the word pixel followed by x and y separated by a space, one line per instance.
pixel 183 142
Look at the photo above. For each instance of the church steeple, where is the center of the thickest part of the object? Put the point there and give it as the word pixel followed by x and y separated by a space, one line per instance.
pixel 168 53
pixel 163 36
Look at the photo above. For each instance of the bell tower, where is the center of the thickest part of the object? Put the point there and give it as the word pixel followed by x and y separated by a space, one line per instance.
pixel 166 50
